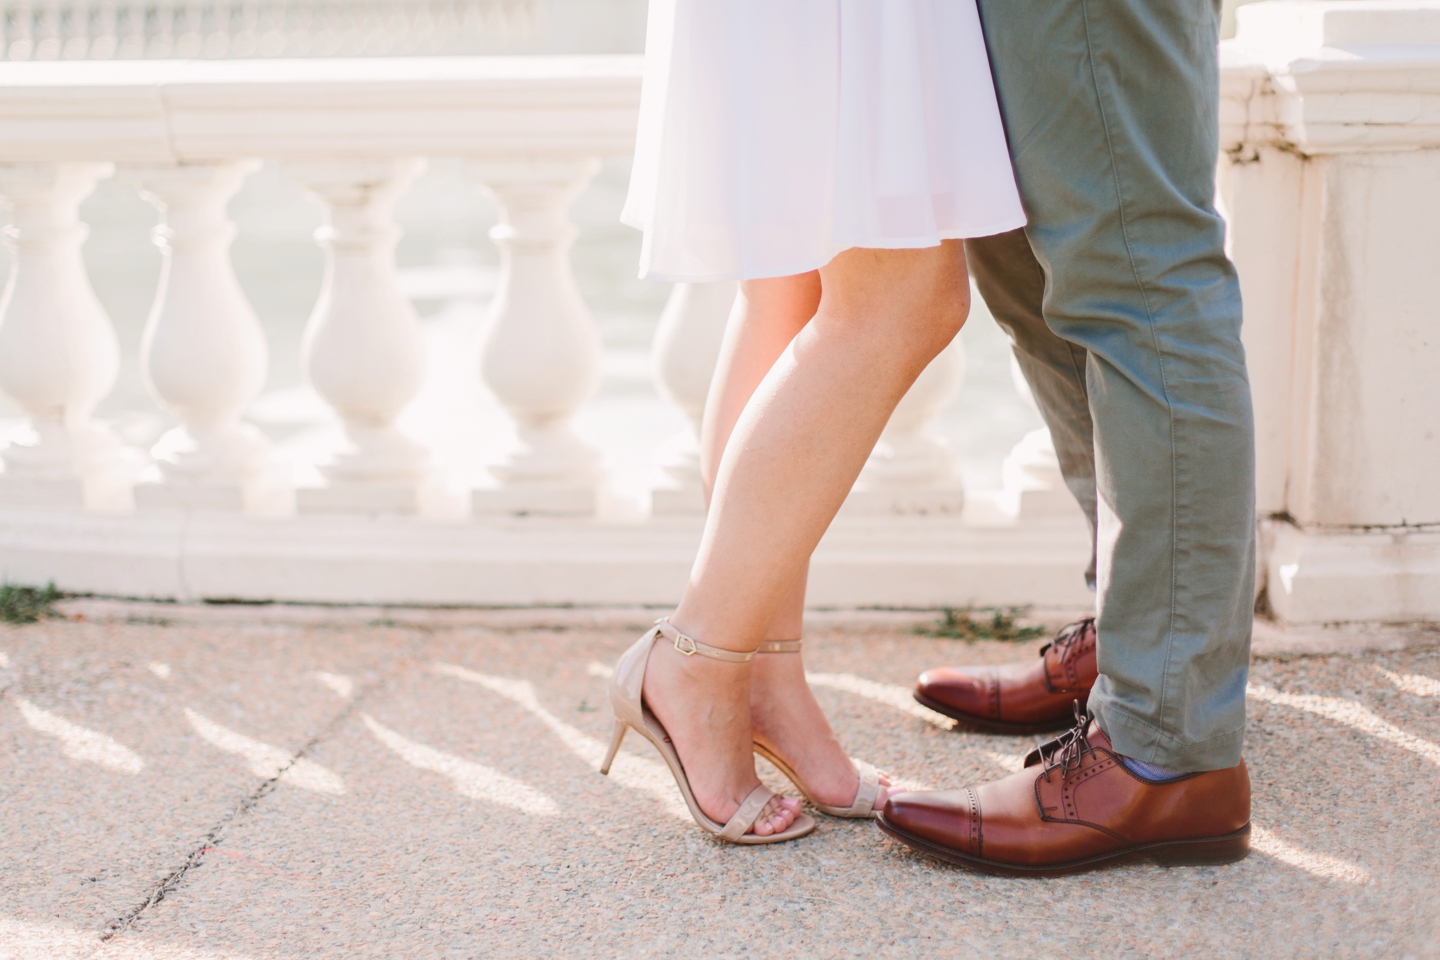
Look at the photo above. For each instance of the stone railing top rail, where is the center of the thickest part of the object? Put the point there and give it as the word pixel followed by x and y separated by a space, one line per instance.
pixel 240 29
pixel 1299 27
pixel 1333 76
pixel 196 111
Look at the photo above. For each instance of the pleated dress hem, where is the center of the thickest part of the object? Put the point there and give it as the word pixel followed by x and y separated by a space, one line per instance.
pixel 809 264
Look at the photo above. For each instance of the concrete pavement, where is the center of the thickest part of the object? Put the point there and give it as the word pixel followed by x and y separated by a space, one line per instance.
pixel 282 783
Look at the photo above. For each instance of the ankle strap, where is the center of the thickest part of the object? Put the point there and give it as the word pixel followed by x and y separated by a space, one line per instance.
pixel 689 646
pixel 780 646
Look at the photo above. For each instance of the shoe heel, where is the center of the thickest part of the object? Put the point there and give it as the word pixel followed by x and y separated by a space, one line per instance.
pixel 1227 849
pixel 615 739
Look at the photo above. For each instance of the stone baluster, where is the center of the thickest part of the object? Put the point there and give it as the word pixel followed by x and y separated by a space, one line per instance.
pixel 684 354
pixel 245 43
pixel 190 38
pixel 363 350
pixel 58 352
pixel 541 351
pixel 130 30
pixel 203 353
pixel 215 43
pixel 910 469
pixel 75 41
pixel 103 41
pixel 20 43
pixel 48 35
pixel 1032 485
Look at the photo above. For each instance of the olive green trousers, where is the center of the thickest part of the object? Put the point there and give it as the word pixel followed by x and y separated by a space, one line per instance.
pixel 1125 314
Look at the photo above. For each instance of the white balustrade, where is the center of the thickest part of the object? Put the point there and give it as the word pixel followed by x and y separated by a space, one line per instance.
pixel 214 29
pixel 363 351
pixel 203 354
pixel 684 354
pixel 58 352
pixel 1330 187
pixel 541 351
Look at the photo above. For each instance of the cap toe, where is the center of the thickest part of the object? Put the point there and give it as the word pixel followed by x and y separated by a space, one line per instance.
pixel 947 818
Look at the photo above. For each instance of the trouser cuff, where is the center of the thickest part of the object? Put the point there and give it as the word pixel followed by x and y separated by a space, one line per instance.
pixel 1135 738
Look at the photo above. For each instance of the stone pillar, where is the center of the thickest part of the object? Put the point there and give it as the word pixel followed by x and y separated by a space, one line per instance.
pixel 541 351
pixel 684 354
pixel 1333 199
pixel 1262 181
pixel 363 351
pixel 58 352
pixel 204 354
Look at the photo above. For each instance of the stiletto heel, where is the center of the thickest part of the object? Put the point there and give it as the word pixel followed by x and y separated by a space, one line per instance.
pixel 866 794
pixel 615 739
pixel 627 699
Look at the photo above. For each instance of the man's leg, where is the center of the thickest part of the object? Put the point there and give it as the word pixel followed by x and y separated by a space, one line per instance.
pixel 1013 285
pixel 1111 110
pixel 1110 107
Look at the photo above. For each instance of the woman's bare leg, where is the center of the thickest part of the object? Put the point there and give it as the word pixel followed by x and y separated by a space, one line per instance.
pixel 783 711
pixel 768 314
pixel 792 458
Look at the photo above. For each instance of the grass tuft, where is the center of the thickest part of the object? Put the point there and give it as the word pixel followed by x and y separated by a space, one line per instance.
pixel 969 624
pixel 28 604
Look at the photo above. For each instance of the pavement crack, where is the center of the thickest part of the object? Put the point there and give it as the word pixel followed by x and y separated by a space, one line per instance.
pixel 216 834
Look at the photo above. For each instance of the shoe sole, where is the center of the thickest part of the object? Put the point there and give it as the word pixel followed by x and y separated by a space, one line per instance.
pixel 984 725
pixel 1170 853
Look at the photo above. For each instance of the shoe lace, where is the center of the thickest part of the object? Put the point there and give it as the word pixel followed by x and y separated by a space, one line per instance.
pixel 1074 746
pixel 1067 636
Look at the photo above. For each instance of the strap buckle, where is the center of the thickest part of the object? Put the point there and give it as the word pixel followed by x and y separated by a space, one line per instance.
pixel 685 645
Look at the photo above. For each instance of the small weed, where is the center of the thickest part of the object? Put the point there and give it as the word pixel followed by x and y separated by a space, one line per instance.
pixel 149 622
pixel 585 707
pixel 968 624
pixel 28 604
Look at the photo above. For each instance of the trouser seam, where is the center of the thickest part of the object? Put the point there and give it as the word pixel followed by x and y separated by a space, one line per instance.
pixel 1078 366
pixel 1159 355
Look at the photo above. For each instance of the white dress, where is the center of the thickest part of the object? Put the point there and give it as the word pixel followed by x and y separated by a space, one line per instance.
pixel 776 133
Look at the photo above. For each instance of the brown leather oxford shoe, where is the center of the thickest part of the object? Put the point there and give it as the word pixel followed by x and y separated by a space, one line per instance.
pixel 1077 809
pixel 1018 698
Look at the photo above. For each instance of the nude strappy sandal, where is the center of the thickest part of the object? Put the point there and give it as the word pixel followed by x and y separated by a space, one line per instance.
pixel 865 795
pixel 626 686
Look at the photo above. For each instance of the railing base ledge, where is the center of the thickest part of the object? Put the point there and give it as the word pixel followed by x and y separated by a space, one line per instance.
pixel 863 562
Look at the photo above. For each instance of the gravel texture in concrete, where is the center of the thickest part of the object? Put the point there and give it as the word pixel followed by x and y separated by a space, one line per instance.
pixel 227 787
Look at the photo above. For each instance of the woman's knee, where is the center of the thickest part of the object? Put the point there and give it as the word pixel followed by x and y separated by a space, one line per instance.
pixel 952 309
pixel 921 297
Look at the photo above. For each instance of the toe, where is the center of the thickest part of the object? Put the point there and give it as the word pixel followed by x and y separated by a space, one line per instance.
pixel 763 825
pixel 886 791
pixel 777 816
